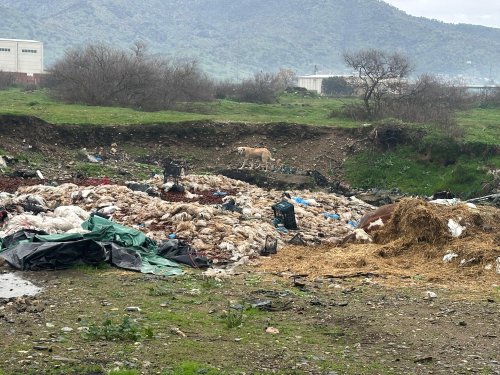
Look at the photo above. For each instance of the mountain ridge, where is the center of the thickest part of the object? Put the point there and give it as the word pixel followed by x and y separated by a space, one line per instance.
pixel 235 40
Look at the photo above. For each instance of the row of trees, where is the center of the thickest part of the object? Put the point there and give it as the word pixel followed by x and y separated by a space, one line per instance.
pixel 102 75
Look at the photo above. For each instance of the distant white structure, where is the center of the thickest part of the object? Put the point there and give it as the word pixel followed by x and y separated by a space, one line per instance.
pixel 313 82
pixel 21 56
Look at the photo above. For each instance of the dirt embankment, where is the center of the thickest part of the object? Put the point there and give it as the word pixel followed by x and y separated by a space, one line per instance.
pixel 207 146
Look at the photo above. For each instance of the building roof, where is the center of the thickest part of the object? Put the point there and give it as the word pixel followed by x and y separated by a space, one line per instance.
pixel 19 40
pixel 318 76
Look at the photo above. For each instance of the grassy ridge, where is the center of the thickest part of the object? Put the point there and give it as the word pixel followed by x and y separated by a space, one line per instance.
pixel 401 169
pixel 313 111
pixel 404 167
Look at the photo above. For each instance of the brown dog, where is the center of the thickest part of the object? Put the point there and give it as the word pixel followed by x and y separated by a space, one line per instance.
pixel 250 153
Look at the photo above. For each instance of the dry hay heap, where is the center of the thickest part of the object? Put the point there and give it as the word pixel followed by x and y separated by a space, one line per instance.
pixel 424 226
pixel 413 242
pixel 414 222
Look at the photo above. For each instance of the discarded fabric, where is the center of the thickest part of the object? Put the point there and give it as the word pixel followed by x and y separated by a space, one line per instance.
pixel 456 229
pixel 448 258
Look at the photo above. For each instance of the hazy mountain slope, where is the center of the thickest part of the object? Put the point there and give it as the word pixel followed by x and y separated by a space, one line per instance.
pixel 236 38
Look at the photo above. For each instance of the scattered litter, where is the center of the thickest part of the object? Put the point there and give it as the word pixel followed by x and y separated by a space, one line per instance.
pixel 286 213
pixel 456 229
pixel 3 164
pixel 448 257
pixel 430 295
pixel 133 309
pixel 219 193
pixel 353 224
pixel 328 215
pixel 270 246
pixel 468 262
pixel 297 240
pixel 299 200
pixel 177 331
pixel 272 330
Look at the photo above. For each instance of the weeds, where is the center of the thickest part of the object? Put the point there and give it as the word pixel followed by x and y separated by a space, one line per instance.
pixel 193 368
pixel 123 372
pixel 160 290
pixel 234 316
pixel 125 330
pixel 210 283
pixel 252 280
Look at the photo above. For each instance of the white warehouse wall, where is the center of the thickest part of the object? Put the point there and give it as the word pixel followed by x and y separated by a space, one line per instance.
pixel 21 56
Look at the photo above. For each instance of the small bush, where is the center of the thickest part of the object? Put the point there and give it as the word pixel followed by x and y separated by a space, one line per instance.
pixel 263 88
pixel 336 86
pixel 353 111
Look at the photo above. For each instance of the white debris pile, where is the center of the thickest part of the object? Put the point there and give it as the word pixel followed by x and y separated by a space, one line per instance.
pixel 64 219
pixel 218 233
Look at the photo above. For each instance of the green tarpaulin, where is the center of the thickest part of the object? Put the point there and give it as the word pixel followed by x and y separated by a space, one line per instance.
pixel 107 241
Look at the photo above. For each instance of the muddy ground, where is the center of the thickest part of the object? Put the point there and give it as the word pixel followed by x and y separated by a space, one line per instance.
pixel 398 315
pixel 349 325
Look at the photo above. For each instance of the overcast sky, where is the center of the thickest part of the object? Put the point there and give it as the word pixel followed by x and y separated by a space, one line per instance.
pixel 477 12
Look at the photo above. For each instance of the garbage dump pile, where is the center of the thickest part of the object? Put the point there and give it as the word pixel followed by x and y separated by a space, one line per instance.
pixel 446 239
pixel 233 230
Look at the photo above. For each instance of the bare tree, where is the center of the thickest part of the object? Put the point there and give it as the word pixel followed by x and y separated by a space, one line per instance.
pixel 378 74
pixel 285 78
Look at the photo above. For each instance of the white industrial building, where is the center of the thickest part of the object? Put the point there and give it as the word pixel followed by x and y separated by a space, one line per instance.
pixel 21 56
pixel 313 82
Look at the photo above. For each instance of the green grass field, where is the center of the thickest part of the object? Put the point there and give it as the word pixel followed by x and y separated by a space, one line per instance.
pixel 480 125
pixel 313 111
